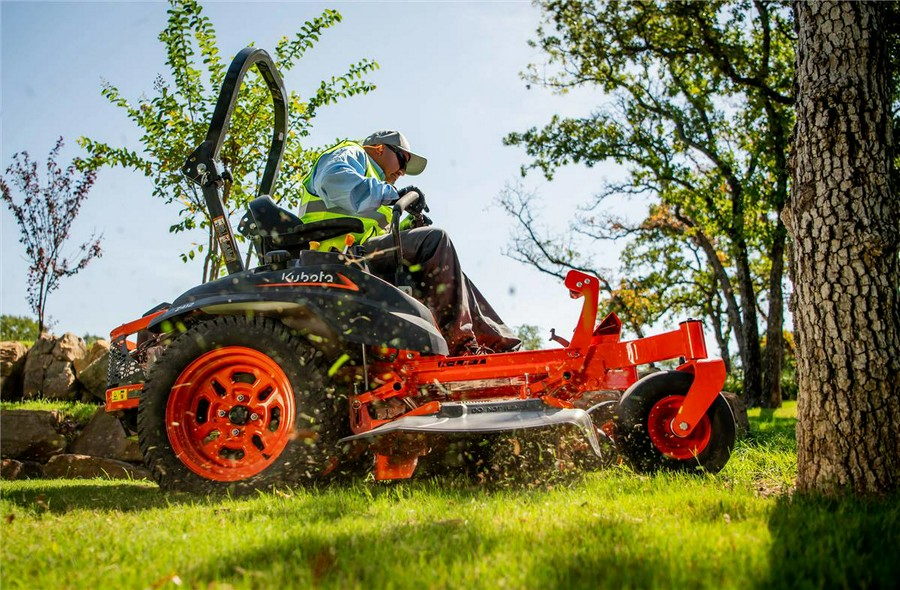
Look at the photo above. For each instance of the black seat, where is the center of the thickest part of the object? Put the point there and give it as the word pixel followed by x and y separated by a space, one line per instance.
pixel 275 228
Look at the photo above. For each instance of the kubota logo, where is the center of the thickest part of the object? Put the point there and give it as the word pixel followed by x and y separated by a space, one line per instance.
pixel 302 277
pixel 316 279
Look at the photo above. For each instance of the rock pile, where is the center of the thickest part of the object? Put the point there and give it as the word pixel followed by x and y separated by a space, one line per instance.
pixel 39 443
pixel 57 368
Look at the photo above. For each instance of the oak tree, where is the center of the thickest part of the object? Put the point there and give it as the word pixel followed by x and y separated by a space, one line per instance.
pixel 697 106
pixel 844 221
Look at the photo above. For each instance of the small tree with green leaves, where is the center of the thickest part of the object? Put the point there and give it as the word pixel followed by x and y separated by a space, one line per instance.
pixel 45 216
pixel 176 119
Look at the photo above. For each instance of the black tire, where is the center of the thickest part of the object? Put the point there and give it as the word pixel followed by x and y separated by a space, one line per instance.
pixel 636 445
pixel 308 442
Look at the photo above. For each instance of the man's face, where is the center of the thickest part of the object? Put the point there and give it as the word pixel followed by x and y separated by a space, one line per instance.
pixel 392 160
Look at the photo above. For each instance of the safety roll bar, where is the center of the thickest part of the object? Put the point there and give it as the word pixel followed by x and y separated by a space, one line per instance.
pixel 200 167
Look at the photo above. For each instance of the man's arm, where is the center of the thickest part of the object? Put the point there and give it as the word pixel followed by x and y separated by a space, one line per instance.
pixel 340 180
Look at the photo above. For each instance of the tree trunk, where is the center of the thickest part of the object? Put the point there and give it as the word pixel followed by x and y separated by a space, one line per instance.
pixel 845 225
pixel 714 313
pixel 752 361
pixel 721 341
pixel 775 324
pixel 733 310
pixel 774 360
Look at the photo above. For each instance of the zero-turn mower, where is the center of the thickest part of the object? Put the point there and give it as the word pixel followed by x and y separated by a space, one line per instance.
pixel 286 371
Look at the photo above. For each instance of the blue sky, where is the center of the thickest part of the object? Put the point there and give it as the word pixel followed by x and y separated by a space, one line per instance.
pixel 449 79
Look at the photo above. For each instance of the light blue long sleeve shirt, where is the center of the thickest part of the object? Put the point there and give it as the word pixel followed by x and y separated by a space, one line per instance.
pixel 340 181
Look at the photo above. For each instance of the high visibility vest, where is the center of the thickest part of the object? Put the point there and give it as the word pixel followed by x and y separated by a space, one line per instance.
pixel 313 208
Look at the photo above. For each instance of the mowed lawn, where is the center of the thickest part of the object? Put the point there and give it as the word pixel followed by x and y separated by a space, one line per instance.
pixel 742 528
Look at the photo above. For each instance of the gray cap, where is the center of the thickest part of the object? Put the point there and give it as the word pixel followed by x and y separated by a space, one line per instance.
pixel 416 162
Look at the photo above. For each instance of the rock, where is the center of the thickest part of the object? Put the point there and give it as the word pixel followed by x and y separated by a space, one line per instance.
pixel 104 436
pixel 48 369
pixel 12 365
pixel 132 452
pixel 99 349
pixel 30 434
pixel 93 377
pixel 59 381
pixel 35 366
pixel 10 469
pixel 739 409
pixel 69 347
pixel 83 467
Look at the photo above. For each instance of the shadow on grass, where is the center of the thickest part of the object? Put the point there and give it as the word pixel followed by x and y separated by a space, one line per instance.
pixel 61 496
pixel 447 553
pixel 840 543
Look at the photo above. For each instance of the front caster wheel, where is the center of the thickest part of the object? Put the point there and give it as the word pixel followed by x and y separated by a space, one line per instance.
pixel 643 427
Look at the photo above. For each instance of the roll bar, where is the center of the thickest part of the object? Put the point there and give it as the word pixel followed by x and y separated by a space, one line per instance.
pixel 200 167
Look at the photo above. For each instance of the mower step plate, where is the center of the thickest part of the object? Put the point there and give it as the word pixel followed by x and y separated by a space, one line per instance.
pixel 495 416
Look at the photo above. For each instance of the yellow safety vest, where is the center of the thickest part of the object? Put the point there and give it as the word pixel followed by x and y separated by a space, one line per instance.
pixel 312 207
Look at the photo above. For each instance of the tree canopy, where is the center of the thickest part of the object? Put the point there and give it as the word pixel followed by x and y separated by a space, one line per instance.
pixel 175 120
pixel 697 106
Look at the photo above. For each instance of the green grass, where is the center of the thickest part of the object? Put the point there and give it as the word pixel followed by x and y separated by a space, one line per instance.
pixel 609 529
pixel 77 411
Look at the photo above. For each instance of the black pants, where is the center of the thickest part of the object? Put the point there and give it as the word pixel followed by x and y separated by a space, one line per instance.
pixel 464 316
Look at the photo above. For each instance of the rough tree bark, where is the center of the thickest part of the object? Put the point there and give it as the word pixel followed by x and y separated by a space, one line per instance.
pixel 843 218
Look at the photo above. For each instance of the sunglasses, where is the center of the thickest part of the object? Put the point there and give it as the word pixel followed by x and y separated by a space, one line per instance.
pixel 402 158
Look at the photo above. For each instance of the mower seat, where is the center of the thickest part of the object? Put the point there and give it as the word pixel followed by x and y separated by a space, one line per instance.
pixel 279 229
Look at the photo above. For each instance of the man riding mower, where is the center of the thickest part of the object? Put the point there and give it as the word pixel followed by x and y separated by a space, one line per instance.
pixel 283 372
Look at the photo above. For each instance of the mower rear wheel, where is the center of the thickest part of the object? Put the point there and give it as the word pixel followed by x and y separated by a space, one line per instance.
pixel 237 404
pixel 643 427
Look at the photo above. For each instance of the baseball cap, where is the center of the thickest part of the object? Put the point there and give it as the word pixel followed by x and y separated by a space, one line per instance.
pixel 416 162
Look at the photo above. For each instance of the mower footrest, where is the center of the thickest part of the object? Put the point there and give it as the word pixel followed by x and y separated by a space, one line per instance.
pixel 495 416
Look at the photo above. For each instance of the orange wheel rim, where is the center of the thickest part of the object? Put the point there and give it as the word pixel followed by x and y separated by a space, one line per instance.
pixel 659 427
pixel 230 413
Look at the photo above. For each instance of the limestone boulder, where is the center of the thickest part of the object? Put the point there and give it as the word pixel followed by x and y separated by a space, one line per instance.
pixel 30 434
pixel 98 349
pixel 59 382
pixel 91 372
pixel 104 436
pixel 49 370
pixel 71 466
pixel 69 347
pixel 12 365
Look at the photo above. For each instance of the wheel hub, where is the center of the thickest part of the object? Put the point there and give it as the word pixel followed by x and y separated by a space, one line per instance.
pixel 239 415
pixel 661 427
